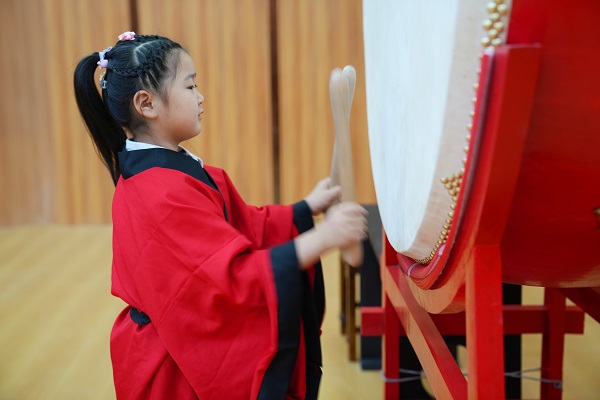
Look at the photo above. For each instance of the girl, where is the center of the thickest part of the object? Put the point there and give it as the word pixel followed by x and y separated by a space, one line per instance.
pixel 225 300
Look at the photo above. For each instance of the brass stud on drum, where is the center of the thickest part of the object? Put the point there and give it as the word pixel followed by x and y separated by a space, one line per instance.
pixel 495 17
pixel 494 28
pixel 493 33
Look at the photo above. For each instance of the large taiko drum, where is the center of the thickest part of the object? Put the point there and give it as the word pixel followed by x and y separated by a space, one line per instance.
pixel 441 78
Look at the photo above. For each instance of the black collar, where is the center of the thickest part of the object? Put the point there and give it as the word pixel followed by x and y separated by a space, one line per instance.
pixel 135 161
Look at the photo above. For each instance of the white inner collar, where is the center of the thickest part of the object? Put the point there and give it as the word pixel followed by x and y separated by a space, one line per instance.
pixel 132 145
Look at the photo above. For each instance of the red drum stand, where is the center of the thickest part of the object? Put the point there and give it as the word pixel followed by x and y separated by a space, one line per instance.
pixel 484 322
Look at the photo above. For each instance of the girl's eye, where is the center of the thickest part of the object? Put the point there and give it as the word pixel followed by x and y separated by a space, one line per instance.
pixel 192 87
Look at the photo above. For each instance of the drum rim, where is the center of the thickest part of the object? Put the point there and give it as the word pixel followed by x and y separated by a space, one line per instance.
pixel 454 183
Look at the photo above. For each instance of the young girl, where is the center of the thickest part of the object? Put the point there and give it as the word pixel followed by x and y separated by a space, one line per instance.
pixel 225 300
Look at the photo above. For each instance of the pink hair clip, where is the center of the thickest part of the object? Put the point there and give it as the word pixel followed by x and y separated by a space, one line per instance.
pixel 103 63
pixel 127 36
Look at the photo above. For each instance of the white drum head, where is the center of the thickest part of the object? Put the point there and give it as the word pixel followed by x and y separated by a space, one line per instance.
pixel 421 62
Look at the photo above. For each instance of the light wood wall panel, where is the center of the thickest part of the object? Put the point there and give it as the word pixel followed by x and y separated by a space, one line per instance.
pixel 229 41
pixel 49 171
pixel 48 168
pixel 313 37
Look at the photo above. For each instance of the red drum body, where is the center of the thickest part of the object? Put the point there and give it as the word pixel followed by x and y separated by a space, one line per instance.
pixel 552 233
pixel 529 184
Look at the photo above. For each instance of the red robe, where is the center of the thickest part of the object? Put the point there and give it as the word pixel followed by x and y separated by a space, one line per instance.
pixel 232 316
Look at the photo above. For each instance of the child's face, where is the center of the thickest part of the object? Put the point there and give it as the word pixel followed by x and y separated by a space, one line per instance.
pixel 181 116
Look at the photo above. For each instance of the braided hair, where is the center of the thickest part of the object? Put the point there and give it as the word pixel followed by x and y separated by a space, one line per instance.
pixel 145 62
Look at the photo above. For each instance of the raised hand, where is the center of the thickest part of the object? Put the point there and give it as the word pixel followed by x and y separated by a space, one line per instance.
pixel 323 196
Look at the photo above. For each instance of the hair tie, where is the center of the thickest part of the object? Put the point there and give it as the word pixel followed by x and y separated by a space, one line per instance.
pixel 103 63
pixel 129 35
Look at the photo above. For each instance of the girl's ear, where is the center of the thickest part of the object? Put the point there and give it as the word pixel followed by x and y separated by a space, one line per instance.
pixel 145 103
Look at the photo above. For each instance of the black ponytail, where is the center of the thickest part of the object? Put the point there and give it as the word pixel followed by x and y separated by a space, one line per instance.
pixel 108 136
pixel 147 62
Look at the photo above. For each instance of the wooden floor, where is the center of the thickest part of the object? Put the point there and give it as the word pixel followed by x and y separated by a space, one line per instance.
pixel 56 312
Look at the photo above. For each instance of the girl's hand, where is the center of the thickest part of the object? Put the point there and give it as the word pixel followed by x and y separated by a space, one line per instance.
pixel 323 196
pixel 344 225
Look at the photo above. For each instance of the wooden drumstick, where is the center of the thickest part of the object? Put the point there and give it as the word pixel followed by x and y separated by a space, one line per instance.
pixel 341 93
pixel 350 74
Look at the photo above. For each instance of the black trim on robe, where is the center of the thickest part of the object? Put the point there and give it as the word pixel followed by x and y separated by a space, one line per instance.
pixel 135 161
pixel 303 216
pixel 288 281
pixel 313 309
pixel 138 316
pixel 312 303
pixel 304 221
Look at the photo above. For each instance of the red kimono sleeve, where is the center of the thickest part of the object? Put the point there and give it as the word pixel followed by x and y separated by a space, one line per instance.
pixel 264 226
